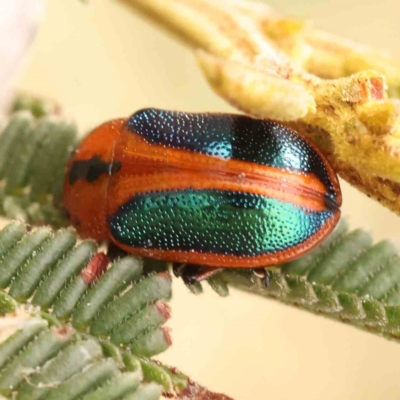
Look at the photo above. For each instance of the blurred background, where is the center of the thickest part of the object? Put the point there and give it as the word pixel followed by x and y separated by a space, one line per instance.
pixel 100 62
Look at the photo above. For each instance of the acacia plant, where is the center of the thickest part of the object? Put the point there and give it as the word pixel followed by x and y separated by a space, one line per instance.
pixel 75 325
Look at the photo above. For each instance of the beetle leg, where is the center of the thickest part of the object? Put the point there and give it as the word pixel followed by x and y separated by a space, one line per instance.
pixel 263 275
pixel 191 273
pixel 114 252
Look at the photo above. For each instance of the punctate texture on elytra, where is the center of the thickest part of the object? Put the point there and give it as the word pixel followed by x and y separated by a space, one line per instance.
pixel 212 189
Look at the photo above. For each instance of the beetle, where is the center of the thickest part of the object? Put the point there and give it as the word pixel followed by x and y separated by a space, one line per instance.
pixel 216 190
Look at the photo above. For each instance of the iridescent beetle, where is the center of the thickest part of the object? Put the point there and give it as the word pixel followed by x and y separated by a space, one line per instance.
pixel 215 190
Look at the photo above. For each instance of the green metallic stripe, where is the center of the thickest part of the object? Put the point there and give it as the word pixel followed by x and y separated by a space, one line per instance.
pixel 214 221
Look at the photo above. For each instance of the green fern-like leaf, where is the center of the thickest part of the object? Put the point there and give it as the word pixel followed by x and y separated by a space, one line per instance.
pixel 39 360
pixel 33 155
pixel 347 278
pixel 36 105
pixel 50 271
pixel 90 331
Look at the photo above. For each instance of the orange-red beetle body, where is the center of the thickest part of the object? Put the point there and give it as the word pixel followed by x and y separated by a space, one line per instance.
pixel 210 189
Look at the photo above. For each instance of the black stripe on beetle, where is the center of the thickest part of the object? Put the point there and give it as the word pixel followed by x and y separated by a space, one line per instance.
pixel 91 170
pixel 231 136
